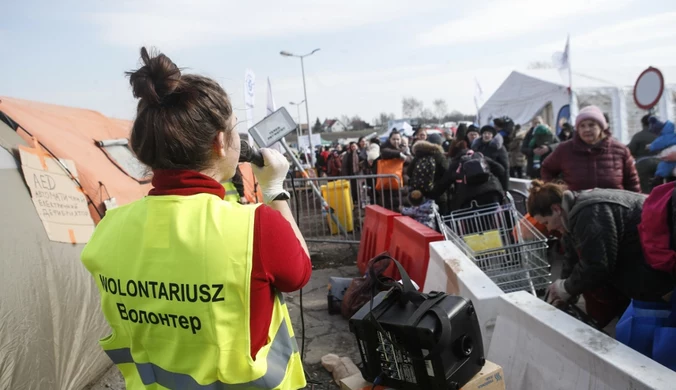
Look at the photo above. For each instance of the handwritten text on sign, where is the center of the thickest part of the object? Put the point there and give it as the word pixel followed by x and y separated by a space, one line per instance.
pixel 60 205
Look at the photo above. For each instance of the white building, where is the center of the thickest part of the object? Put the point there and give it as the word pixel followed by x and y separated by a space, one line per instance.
pixel 333 126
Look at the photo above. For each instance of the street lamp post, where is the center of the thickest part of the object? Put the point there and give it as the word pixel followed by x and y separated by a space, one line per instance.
pixel 307 110
pixel 300 131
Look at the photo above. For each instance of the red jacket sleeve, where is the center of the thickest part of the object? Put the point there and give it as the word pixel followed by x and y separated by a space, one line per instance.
pixel 551 166
pixel 630 180
pixel 285 263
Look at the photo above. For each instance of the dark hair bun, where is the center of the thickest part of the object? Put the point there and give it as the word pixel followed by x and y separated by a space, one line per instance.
pixel 535 187
pixel 156 79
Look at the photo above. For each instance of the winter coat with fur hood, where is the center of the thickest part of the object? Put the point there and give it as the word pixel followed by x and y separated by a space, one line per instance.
pixel 422 149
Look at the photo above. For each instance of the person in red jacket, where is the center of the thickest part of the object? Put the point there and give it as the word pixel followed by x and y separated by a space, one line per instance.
pixel 593 158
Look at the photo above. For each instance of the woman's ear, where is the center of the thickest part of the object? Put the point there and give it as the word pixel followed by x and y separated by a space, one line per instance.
pixel 557 209
pixel 219 144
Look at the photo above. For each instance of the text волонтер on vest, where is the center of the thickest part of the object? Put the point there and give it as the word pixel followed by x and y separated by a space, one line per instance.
pixel 180 292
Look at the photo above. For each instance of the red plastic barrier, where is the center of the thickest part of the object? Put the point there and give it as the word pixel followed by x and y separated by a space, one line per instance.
pixel 375 235
pixel 410 245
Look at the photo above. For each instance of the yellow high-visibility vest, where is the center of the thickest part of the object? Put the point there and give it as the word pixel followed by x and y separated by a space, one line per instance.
pixel 174 275
pixel 231 194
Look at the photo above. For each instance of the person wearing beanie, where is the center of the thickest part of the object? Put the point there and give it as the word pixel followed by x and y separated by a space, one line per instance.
pixel 472 134
pixel 665 144
pixel 543 151
pixel 542 136
pixel 435 138
pixel 422 209
pixel 566 132
pixel 593 158
pixel 489 129
pixel 492 146
pixel 646 161
pixel 591 133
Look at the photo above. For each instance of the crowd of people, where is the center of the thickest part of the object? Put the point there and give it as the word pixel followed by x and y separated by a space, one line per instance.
pixel 588 189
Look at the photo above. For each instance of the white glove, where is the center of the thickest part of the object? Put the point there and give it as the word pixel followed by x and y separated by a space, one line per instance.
pixel 271 176
pixel 557 294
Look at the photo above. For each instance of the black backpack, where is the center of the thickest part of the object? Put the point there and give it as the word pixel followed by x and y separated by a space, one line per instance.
pixel 422 179
pixel 473 169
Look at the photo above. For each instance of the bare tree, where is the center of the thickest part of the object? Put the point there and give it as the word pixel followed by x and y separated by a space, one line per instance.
pixel 411 107
pixel 384 118
pixel 540 65
pixel 427 115
pixel 440 108
pixel 345 120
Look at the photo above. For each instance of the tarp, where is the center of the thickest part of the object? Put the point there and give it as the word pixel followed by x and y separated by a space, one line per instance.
pixel 71 133
pixel 50 315
pixel 50 311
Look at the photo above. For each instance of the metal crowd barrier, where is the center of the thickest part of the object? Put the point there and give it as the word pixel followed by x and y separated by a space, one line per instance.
pixel 347 198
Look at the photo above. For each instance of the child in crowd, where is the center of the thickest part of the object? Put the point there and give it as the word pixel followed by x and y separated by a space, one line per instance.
pixel 422 209
pixel 542 136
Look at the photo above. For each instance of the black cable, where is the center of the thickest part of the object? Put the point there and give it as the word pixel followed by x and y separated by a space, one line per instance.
pixel 302 316
pixel 65 168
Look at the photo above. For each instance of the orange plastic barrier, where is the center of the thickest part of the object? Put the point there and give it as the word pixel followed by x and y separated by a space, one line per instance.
pixel 410 245
pixel 375 236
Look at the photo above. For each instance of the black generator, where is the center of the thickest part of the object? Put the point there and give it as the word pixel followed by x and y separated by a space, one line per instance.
pixel 409 340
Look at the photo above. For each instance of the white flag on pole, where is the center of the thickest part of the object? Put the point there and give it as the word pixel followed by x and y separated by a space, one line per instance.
pixel 271 99
pixel 271 107
pixel 249 99
pixel 478 95
pixel 478 98
pixel 561 61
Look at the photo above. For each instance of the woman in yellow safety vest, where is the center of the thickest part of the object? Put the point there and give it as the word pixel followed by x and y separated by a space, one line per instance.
pixel 180 270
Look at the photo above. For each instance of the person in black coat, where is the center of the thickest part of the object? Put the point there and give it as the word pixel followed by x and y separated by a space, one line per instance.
pixel 462 195
pixel 491 145
pixel 433 151
pixel 606 261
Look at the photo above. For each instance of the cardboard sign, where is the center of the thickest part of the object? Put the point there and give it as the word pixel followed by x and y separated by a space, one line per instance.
pixel 273 128
pixel 60 204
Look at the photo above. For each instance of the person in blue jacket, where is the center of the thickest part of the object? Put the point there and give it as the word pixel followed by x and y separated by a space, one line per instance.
pixel 666 140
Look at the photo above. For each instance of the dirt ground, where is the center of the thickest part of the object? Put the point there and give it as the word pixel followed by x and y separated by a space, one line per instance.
pixel 333 255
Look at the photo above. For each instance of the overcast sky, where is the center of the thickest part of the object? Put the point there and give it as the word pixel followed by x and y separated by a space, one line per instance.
pixel 373 52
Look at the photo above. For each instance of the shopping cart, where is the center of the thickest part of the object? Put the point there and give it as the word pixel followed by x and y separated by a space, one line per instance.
pixel 503 244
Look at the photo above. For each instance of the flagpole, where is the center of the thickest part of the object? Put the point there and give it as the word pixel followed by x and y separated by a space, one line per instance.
pixel 572 111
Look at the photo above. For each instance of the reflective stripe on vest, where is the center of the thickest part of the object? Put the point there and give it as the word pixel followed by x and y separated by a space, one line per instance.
pixel 231 194
pixel 280 352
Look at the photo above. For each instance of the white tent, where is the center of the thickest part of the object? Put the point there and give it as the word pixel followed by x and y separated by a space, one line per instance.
pixel 402 126
pixel 526 93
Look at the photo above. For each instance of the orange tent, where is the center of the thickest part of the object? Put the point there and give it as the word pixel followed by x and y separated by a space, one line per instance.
pixel 73 133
